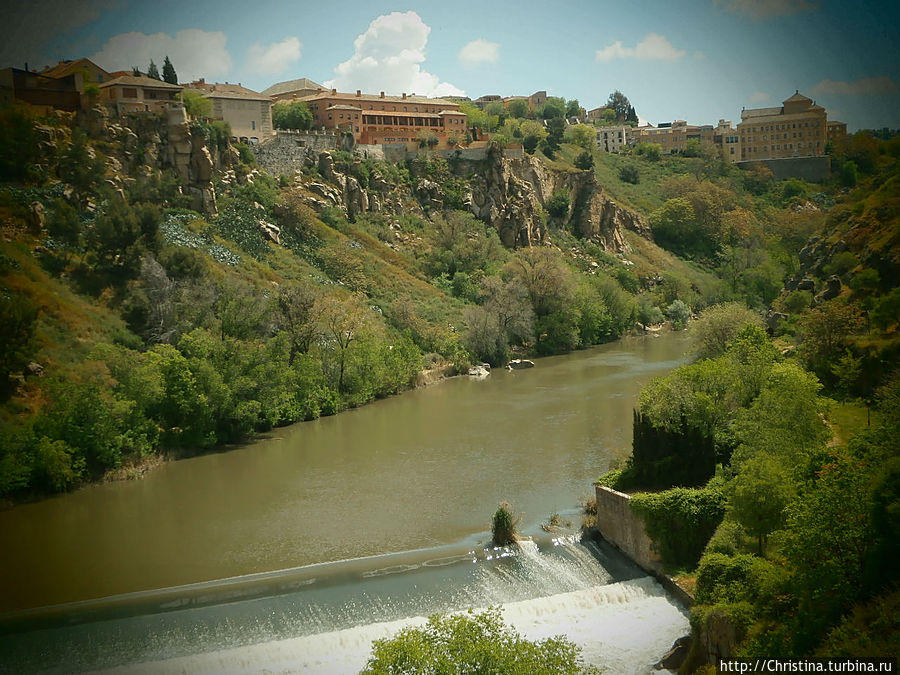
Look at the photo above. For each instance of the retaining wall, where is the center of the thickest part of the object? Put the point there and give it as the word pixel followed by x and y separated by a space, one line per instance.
pixel 812 169
pixel 621 526
pixel 288 150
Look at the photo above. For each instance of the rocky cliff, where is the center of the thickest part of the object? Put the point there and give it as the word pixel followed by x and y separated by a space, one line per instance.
pixel 143 144
pixel 507 193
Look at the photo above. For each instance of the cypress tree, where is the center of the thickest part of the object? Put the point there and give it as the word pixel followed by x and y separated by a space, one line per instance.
pixel 168 72
pixel 152 70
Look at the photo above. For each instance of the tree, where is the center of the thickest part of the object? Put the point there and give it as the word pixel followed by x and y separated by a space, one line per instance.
pixel 472 643
pixel 629 174
pixel 294 305
pixel 825 332
pixel 291 115
pixel 583 135
pixel 168 72
pixel 673 224
pixel 574 109
pixel 678 313
pixel 631 116
pixel 518 107
pixel 585 161
pixel 152 70
pixel 196 104
pixel 718 325
pixel 758 496
pixel 461 243
pixel 135 71
pixel 18 319
pixel 554 107
pixel 342 321
pixel 652 151
pixel 556 128
pixel 619 103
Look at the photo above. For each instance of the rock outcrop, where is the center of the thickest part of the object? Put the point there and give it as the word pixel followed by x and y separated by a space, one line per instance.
pixel 148 143
pixel 509 196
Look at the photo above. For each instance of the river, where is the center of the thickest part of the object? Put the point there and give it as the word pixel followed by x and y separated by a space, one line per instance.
pixel 406 484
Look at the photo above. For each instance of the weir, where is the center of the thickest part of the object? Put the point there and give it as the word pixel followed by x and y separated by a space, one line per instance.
pixel 323 618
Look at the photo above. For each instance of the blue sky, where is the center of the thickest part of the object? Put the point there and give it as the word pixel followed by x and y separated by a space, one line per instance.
pixel 698 60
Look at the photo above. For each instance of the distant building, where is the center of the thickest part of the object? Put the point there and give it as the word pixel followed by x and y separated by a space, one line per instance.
pixel 728 140
pixel 673 137
pixel 596 114
pixel 89 71
pixel 129 93
pixel 796 129
pixel 536 100
pixel 249 113
pixel 291 89
pixel 835 130
pixel 483 101
pixel 58 88
pixel 42 92
pixel 386 119
pixel 613 139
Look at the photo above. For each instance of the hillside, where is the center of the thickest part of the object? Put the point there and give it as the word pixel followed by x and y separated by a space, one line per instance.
pixel 162 295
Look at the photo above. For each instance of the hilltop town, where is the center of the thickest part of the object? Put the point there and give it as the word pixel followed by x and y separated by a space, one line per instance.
pixel 789 139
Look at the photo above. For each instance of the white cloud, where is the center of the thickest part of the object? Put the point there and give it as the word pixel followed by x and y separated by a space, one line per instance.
pixel 867 86
pixel 652 48
pixel 25 27
pixel 759 97
pixel 765 9
pixel 479 51
pixel 274 58
pixel 194 53
pixel 387 56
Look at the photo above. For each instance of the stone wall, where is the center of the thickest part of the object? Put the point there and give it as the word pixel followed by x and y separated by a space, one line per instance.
pixel 812 169
pixel 623 528
pixel 291 150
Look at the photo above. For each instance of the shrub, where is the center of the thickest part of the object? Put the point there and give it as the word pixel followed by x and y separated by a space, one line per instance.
pixel 629 174
pixel 558 206
pixel 584 161
pixel 472 643
pixel 503 526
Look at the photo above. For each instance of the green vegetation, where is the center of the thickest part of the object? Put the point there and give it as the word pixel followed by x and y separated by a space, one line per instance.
pixel 479 643
pixel 196 104
pixel 503 526
pixel 168 72
pixel 291 115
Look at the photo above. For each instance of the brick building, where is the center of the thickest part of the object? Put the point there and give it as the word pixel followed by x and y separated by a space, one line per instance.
pixel 386 119
pixel 795 129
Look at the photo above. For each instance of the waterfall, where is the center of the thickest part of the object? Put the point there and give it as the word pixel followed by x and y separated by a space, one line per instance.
pixel 622 621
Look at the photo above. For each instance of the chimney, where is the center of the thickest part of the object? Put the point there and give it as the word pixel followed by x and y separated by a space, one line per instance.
pixel 333 92
pixel 404 95
pixel 382 94
pixel 358 93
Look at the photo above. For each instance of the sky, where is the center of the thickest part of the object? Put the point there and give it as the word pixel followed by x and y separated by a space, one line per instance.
pixel 694 60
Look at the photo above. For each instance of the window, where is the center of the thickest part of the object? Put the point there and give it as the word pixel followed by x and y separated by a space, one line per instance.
pixel 129 92
pixel 253 125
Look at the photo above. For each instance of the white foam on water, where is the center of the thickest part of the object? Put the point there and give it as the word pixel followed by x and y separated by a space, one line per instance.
pixel 623 627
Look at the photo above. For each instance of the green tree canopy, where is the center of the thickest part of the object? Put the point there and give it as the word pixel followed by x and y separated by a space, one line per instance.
pixel 472 643
pixel 168 72
pixel 152 70
pixel 619 102
pixel 196 104
pixel 291 115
